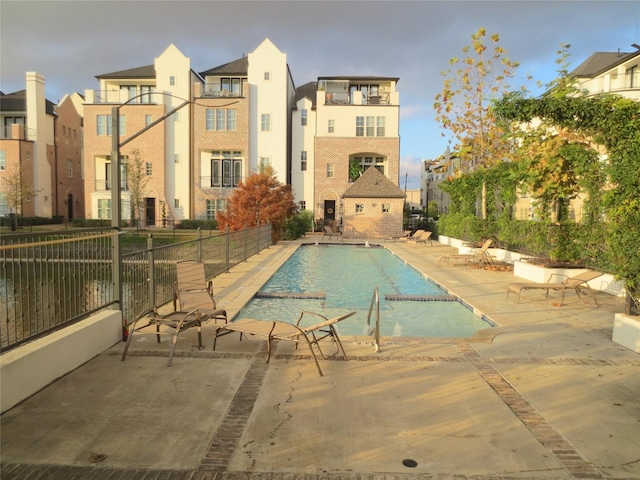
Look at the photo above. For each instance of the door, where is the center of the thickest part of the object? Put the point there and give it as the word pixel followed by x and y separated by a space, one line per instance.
pixel 150 210
pixel 70 207
pixel 330 211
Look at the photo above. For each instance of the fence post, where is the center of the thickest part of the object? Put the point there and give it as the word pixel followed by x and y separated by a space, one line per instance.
pixel 199 245
pixel 245 242
pixel 228 247
pixel 151 270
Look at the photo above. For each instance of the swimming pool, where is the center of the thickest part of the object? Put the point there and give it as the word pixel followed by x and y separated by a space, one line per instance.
pixel 335 279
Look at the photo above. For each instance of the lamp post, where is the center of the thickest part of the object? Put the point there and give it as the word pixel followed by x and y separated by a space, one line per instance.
pixel 116 186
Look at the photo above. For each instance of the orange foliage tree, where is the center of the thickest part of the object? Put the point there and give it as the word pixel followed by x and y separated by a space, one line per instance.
pixel 259 199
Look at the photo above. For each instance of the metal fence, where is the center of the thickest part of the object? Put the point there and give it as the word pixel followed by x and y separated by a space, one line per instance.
pixel 47 283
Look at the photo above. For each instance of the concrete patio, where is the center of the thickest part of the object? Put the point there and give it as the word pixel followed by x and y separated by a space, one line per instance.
pixel 546 395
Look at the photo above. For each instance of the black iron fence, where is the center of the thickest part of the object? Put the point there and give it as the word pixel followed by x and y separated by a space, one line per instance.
pixel 50 282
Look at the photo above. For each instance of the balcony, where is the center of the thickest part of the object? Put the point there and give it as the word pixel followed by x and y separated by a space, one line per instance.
pixel 216 90
pixel 18 132
pixel 118 97
pixel 355 98
pixel 105 185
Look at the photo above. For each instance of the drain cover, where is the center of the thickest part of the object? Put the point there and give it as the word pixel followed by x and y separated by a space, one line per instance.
pixel 407 462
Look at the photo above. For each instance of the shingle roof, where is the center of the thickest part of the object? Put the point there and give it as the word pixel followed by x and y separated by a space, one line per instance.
pixel 148 71
pixel 238 67
pixel 17 102
pixel 373 184
pixel 600 62
pixel 308 90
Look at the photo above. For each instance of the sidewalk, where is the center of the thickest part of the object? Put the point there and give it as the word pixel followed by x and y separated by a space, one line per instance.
pixel 547 395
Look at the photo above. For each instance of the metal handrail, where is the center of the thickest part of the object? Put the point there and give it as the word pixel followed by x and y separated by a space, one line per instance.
pixel 375 300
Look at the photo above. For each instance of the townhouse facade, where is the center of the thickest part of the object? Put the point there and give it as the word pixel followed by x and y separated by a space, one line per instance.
pixel 199 135
pixel 40 153
pixel 341 127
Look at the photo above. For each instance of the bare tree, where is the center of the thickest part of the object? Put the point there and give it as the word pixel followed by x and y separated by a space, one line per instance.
pixel 137 180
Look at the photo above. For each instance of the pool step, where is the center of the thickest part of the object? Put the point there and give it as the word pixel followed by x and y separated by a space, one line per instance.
pixel 420 298
pixel 296 295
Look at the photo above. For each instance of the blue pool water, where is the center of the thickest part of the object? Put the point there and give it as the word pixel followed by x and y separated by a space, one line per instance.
pixel 335 279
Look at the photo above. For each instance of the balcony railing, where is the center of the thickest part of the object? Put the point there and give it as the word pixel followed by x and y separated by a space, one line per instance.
pixel 104 185
pixel 122 96
pixel 18 132
pixel 219 182
pixel 216 90
pixel 344 98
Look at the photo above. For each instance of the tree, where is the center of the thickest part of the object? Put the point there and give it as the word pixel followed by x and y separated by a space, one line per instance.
pixel 259 199
pixel 612 123
pixel 18 188
pixel 464 105
pixel 137 180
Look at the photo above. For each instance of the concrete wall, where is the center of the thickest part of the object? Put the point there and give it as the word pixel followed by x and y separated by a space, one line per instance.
pixel 31 367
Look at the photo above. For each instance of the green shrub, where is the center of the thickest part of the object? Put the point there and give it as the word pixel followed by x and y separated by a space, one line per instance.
pixel 188 224
pixel 298 225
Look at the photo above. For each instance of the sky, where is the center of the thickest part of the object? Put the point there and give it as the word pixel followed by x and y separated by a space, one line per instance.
pixel 71 42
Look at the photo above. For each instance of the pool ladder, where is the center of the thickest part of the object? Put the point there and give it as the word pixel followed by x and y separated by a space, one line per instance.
pixel 375 300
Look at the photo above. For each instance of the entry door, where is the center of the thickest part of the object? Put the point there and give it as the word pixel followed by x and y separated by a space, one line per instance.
pixel 329 209
pixel 150 211
pixel 70 207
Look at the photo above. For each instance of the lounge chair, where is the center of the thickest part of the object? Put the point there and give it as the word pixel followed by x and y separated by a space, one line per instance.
pixel 271 329
pixel 193 291
pixel 416 235
pixel 576 283
pixel 171 324
pixel 478 255
pixel 328 231
pixel 423 238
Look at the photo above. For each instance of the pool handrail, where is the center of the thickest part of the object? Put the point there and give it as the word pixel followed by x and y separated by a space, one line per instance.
pixel 375 299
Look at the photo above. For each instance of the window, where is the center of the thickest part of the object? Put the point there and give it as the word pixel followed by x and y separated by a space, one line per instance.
pixel 215 206
pixel 128 92
pixel 104 125
pixel 226 168
pixel 331 126
pixel 210 119
pixel 303 160
pixel 380 126
pixel 145 94
pixel 359 207
pixel 172 81
pixel 386 208
pixel 303 117
pixel 104 208
pixel 231 119
pixel 176 158
pixel 4 205
pixel 148 119
pixel 264 162
pixel 3 159
pixel 221 119
pixel 69 168
pixel 101 125
pixel 265 122
pixel 370 161
pixel 359 126
pixel 329 170
pixel 302 205
pixel 176 203
pixel 148 169
pixel 267 76
pixel 371 124
pixel 633 77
